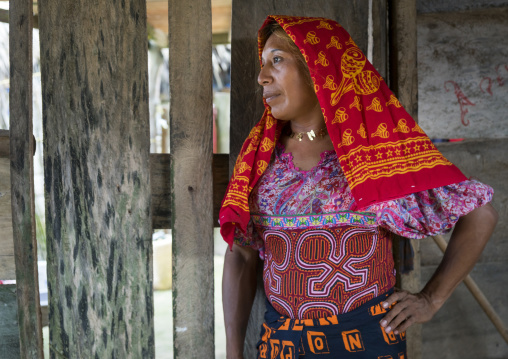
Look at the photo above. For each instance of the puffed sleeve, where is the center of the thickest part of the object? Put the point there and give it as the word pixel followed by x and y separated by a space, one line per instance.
pixel 433 211
pixel 250 238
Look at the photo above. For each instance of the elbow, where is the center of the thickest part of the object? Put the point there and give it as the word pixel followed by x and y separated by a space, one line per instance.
pixel 485 220
pixel 491 215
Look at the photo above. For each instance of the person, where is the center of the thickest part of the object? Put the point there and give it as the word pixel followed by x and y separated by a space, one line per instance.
pixel 334 167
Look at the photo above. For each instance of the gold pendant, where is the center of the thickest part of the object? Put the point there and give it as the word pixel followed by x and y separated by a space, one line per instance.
pixel 311 135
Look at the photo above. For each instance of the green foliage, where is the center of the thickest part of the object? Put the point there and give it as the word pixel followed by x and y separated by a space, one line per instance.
pixel 40 233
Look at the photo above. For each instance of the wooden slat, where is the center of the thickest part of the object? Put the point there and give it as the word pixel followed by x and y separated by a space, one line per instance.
pixel 94 70
pixel 160 164
pixel 5 144
pixel 403 67
pixel 221 15
pixel 7 266
pixel 190 79
pixel 160 171
pixel 9 331
pixel 404 83
pixel 380 37
pixel 22 187
pixel 220 170
pixel 246 98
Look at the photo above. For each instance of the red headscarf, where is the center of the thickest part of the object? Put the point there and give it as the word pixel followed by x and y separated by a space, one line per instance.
pixel 384 154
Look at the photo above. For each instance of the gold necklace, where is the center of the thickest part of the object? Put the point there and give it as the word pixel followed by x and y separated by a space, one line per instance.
pixel 310 134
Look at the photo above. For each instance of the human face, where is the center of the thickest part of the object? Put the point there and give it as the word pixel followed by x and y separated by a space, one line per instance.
pixel 285 88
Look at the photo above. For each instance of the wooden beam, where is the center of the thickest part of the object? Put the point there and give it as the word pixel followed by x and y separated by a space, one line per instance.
pixel 94 71
pixel 7 263
pixel 160 165
pixel 22 186
pixel 9 331
pixel 5 144
pixel 221 15
pixel 4 15
pixel 190 79
pixel 380 37
pixel 403 67
pixel 404 83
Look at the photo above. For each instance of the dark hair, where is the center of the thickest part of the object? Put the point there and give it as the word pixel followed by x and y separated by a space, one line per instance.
pixel 273 28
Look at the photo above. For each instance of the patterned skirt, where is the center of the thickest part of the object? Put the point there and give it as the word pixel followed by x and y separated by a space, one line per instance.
pixel 356 334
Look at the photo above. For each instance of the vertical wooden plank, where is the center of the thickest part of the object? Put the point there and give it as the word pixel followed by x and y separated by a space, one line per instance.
pixel 190 79
pixel 9 331
pixel 7 263
pixel 404 83
pixel 22 188
pixel 246 95
pixel 97 178
pixel 403 70
pixel 380 37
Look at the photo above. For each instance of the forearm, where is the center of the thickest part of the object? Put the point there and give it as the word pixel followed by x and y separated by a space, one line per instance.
pixel 464 248
pixel 238 291
pixel 466 244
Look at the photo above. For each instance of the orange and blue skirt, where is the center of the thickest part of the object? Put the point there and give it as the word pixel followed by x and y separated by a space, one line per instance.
pixel 356 335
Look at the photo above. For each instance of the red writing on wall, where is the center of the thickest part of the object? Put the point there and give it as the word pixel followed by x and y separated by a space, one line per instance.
pixel 462 99
pixel 485 86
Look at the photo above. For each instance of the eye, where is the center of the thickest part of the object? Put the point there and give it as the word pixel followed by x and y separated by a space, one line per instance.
pixel 277 59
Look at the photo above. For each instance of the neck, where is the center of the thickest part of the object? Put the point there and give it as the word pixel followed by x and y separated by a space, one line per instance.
pixel 307 124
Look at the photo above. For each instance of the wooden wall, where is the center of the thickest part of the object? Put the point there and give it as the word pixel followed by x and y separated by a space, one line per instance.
pixel 9 330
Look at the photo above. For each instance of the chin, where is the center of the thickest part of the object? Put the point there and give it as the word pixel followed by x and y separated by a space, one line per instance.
pixel 279 116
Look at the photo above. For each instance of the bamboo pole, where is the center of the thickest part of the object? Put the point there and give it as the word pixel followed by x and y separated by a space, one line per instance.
pixel 478 295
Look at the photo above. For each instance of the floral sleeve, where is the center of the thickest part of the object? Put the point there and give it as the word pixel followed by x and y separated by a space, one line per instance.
pixel 431 212
pixel 250 239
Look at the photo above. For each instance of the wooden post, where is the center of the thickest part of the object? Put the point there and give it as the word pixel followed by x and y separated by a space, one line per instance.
pixel 246 96
pixel 7 263
pixel 97 179
pixel 190 79
pixel 404 83
pixel 9 330
pixel 380 37
pixel 22 187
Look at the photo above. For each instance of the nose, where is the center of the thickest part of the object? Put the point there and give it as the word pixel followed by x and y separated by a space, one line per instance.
pixel 264 76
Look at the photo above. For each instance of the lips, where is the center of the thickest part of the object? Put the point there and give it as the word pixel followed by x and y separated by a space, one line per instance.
pixel 270 96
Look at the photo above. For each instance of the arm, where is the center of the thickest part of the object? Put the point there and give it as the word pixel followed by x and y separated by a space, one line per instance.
pixel 238 291
pixel 468 239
